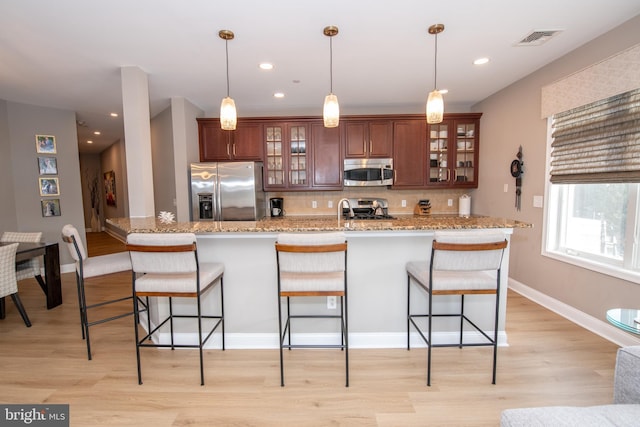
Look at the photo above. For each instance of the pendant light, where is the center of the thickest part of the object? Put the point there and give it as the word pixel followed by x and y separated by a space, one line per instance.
pixel 228 115
pixel 435 103
pixel 331 110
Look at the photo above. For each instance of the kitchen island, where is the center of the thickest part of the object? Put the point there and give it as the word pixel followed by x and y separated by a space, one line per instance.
pixel 377 281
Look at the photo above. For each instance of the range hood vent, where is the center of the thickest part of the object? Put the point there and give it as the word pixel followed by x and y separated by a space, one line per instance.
pixel 537 37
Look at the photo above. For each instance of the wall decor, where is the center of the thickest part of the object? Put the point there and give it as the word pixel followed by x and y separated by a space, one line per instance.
pixel 110 187
pixel 49 187
pixel 46 144
pixel 50 207
pixel 48 165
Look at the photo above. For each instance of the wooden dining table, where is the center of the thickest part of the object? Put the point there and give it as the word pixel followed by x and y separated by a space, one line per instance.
pixel 52 284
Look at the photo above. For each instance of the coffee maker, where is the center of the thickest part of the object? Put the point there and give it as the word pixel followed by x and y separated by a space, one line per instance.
pixel 276 206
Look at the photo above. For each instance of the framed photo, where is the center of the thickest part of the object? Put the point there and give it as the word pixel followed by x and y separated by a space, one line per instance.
pixel 110 187
pixel 49 187
pixel 46 144
pixel 48 165
pixel 50 207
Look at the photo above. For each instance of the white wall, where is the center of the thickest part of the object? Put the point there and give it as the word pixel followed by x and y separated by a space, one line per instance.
pixel 8 218
pixel 511 118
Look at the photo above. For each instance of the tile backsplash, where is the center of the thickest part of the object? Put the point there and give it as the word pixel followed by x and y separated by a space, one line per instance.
pixel 301 203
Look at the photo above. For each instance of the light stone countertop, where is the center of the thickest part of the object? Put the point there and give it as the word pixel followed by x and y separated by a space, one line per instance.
pixel 315 223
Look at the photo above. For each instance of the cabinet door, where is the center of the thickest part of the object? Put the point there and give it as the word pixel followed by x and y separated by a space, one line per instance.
pixel 439 147
pixel 274 166
pixel 368 139
pixel 214 142
pixel 327 161
pixel 246 142
pixel 380 139
pixel 465 156
pixel 297 152
pixel 409 153
pixel 355 139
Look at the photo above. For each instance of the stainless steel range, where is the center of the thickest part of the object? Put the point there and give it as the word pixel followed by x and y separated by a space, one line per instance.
pixel 366 208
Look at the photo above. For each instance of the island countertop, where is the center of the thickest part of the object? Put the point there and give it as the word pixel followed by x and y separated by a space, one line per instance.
pixel 316 223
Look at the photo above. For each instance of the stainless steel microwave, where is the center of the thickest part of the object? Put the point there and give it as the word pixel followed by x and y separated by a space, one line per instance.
pixel 368 172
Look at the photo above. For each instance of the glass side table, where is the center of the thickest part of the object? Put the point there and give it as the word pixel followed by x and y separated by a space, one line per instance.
pixel 625 318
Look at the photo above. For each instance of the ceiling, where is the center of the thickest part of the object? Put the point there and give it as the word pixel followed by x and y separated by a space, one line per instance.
pixel 68 53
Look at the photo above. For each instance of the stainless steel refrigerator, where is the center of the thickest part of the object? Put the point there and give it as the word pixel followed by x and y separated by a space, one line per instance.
pixel 227 191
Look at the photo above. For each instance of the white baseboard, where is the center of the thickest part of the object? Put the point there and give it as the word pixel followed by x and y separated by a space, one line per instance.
pixel 597 326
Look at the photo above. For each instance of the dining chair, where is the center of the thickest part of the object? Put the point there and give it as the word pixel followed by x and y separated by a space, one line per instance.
pixel 31 267
pixel 8 282
pixel 312 265
pixel 466 262
pixel 93 267
pixel 167 265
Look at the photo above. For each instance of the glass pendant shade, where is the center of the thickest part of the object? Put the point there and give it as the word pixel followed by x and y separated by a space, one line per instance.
pixel 331 111
pixel 435 107
pixel 228 116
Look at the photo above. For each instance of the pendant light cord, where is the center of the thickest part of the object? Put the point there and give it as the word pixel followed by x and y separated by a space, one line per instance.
pixel 330 64
pixel 226 47
pixel 435 66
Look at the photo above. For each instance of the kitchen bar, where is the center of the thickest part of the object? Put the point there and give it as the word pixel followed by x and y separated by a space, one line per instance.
pixel 377 254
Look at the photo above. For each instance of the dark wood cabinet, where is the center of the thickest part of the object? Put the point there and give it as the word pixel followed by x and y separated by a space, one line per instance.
pixel 409 153
pixel 327 161
pixel 368 139
pixel 453 152
pixel 244 143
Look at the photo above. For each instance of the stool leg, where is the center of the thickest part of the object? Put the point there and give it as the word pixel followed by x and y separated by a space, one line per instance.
pixel 461 318
pixel 429 338
pixel 280 339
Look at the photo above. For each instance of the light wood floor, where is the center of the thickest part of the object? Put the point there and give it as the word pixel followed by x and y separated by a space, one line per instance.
pixel 549 361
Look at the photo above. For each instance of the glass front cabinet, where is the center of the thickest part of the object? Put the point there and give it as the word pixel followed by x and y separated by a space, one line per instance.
pixel 453 152
pixel 286 164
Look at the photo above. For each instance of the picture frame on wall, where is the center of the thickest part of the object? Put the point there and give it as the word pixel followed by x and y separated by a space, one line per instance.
pixel 49 186
pixel 50 207
pixel 48 165
pixel 45 144
pixel 110 187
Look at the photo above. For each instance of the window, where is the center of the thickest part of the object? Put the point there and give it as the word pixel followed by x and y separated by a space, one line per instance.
pixel 593 212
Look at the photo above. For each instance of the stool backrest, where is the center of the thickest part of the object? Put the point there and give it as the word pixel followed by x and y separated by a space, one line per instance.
pixel 468 250
pixel 71 236
pixel 311 262
pixel 171 252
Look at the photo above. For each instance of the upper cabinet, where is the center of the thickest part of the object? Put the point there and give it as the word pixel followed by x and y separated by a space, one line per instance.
pixel 367 138
pixel 302 155
pixel 453 152
pixel 409 153
pixel 244 143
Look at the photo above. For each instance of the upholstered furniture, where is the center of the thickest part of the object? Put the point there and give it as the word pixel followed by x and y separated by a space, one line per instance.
pixel 31 267
pixel 312 265
pixel 8 282
pixel 461 263
pixel 91 267
pixel 167 265
pixel 625 410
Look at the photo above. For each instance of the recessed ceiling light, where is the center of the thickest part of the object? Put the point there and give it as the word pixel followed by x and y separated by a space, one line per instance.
pixel 278 95
pixel 114 114
pixel 443 91
pixel 481 61
pixel 96 132
pixel 266 66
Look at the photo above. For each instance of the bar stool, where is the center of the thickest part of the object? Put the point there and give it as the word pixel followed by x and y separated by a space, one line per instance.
pixel 90 267
pixel 312 265
pixel 167 265
pixel 462 263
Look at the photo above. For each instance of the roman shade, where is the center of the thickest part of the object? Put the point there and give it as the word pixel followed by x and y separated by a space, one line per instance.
pixel 598 142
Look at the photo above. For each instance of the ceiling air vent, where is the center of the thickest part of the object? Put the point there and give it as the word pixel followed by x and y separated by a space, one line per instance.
pixel 537 37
